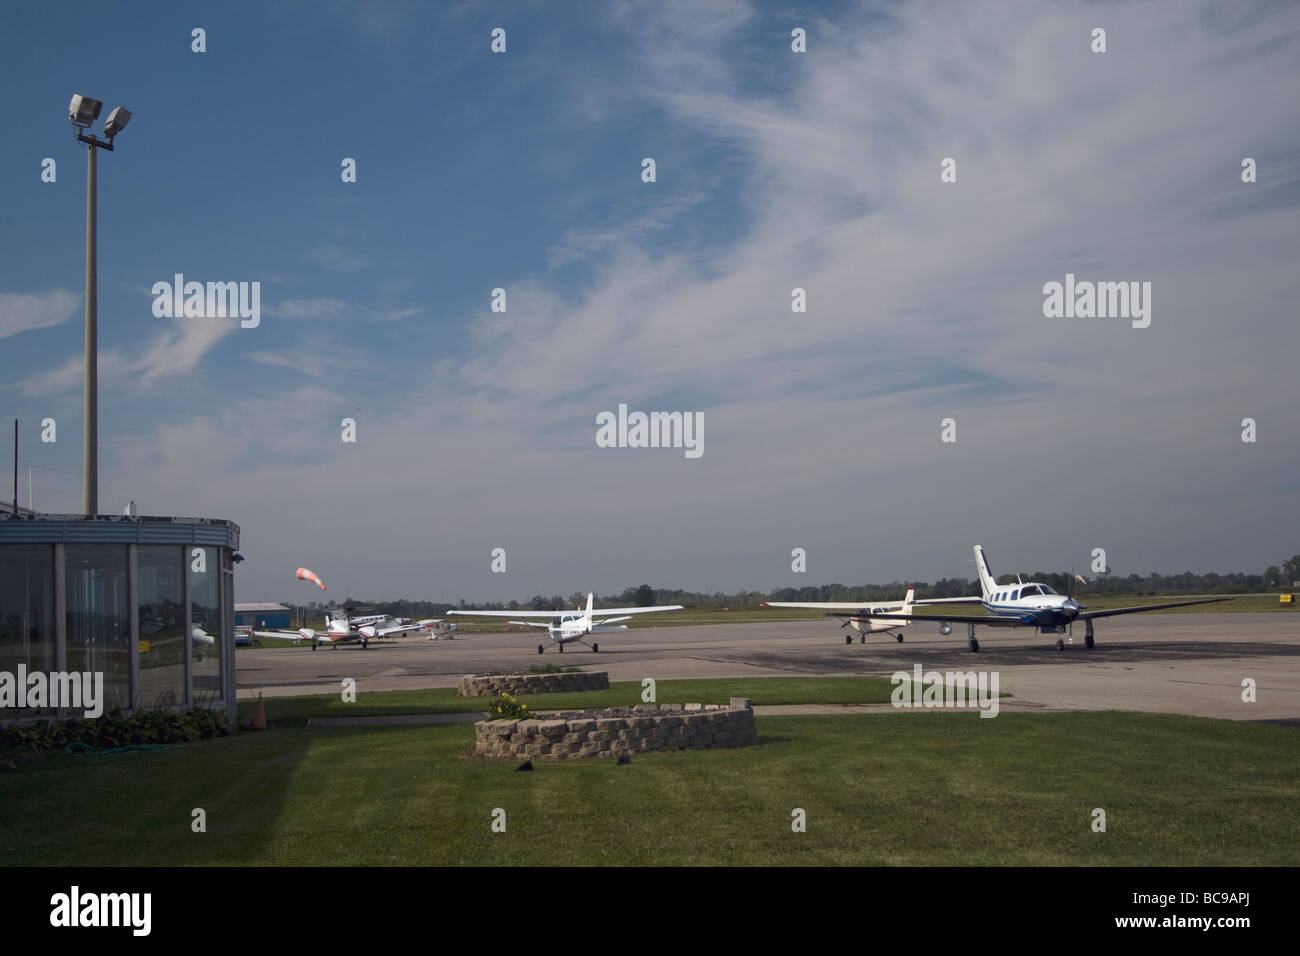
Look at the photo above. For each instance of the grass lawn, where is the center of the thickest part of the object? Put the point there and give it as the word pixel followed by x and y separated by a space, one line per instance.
pixel 761 690
pixel 933 788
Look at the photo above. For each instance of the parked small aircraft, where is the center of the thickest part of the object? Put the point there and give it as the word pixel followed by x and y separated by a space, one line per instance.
pixel 1032 604
pixel 565 627
pixel 861 615
pixel 345 629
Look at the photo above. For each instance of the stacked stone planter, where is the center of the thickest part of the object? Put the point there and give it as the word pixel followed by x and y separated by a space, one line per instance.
pixel 619 730
pixel 489 685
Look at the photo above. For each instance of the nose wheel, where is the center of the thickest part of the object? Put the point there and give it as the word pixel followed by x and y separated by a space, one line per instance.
pixel 595 648
pixel 541 648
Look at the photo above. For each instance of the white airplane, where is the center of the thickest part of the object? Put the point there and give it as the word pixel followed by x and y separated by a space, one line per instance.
pixel 438 628
pixel 345 629
pixel 565 627
pixel 1032 604
pixel 863 617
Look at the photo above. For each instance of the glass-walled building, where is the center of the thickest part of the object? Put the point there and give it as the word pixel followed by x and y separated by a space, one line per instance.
pixel 146 601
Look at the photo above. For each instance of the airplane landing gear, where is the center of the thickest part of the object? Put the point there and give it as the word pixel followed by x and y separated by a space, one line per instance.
pixel 1087 635
pixel 595 648
pixel 899 638
pixel 561 648
pixel 848 638
pixel 365 642
pixel 970 639
pixel 862 639
pixel 541 648
pixel 1060 644
pixel 314 645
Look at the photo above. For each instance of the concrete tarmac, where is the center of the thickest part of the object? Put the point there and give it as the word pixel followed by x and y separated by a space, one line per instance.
pixel 1163 663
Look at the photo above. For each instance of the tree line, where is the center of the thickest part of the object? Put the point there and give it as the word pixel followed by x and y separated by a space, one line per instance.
pixel 1274 578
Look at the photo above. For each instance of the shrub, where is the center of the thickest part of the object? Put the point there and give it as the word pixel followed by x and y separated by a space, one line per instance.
pixel 505 707
pixel 28 742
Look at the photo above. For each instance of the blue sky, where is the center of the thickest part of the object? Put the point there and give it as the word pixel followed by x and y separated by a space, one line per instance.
pixel 775 170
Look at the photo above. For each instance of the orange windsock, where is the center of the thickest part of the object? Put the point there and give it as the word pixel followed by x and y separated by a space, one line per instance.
pixel 305 575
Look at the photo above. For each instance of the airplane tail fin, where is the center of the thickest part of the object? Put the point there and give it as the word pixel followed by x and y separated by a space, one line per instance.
pixel 907 601
pixel 987 581
pixel 591 602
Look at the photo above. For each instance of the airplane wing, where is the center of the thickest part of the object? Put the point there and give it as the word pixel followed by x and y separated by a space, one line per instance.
pixel 397 629
pixel 990 620
pixel 529 624
pixel 1145 607
pixel 552 614
pixel 283 635
pixel 535 614
pixel 834 606
pixel 635 610
pixel 861 606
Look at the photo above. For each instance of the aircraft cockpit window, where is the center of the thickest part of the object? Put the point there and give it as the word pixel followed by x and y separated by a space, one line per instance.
pixel 1047 590
pixel 1031 590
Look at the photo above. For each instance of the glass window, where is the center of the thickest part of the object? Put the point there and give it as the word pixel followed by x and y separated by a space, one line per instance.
pixel 205 613
pixel 1031 590
pixel 162 625
pixel 27 608
pixel 1015 594
pixel 99 619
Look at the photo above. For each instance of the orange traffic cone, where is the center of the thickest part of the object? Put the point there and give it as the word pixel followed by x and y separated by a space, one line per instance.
pixel 259 715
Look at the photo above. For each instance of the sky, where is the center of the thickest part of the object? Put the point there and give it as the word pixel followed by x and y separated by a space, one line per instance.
pixel 774 170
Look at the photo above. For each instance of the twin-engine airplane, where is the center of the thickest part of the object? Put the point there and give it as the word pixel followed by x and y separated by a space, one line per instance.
pixel 565 627
pixel 345 629
pixel 862 617
pixel 1030 605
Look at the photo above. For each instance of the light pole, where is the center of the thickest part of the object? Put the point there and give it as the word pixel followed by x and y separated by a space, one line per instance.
pixel 83 111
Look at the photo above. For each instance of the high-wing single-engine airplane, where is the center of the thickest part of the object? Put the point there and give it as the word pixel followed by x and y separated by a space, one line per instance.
pixel 1031 604
pixel 861 615
pixel 565 627
pixel 345 629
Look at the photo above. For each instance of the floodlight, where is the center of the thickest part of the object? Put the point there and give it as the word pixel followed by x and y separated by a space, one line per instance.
pixel 116 121
pixel 83 111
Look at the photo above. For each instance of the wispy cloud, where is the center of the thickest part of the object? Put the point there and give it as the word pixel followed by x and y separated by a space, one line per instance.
pixel 24 311
pixel 336 258
pixel 174 352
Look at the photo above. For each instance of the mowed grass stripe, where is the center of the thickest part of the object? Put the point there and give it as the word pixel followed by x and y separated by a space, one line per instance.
pixel 443 700
pixel 931 788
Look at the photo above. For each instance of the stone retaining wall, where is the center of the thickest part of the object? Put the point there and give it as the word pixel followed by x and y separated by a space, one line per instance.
pixel 490 684
pixel 619 730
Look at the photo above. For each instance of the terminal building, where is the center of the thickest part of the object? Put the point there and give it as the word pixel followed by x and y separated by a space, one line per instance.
pixel 147 601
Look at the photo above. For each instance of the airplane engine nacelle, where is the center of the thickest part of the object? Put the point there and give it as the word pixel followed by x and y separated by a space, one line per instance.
pixel 945 628
pixel 307 633
pixel 367 631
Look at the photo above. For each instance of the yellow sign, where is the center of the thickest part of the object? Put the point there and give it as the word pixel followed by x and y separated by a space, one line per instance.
pixel 144 647
pixel 1284 599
